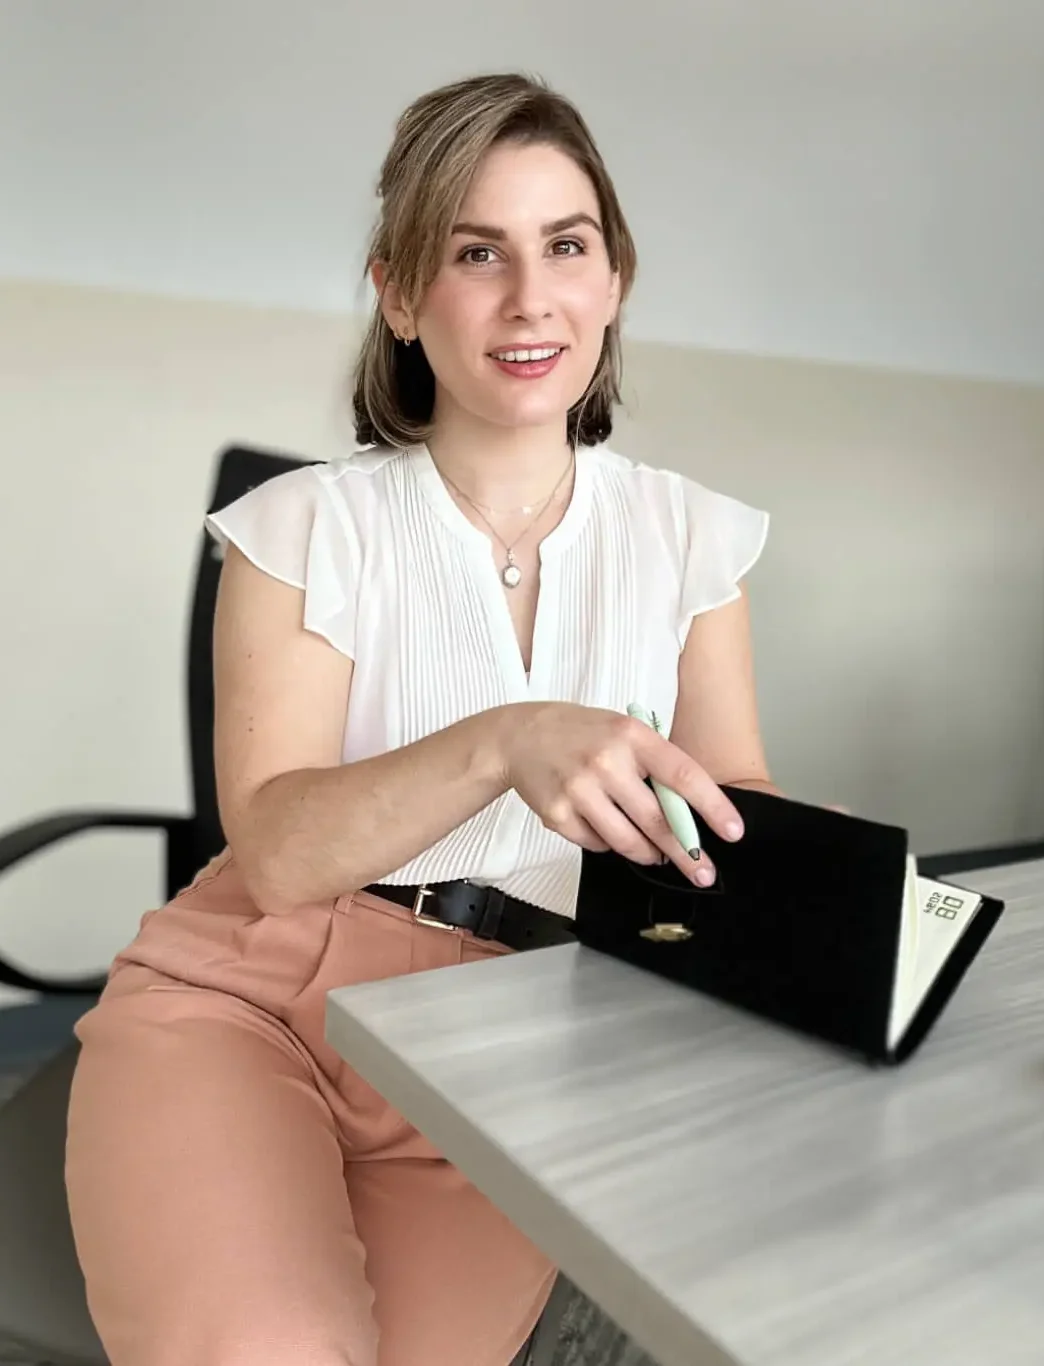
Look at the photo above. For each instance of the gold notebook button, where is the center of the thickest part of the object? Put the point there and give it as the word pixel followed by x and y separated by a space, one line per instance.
pixel 666 933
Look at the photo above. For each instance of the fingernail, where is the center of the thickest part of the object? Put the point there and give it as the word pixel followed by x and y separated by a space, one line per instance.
pixel 705 876
pixel 734 830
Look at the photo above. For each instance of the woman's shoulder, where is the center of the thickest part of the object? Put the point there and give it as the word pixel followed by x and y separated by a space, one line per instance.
pixel 660 487
pixel 306 527
pixel 364 463
pixel 289 503
pixel 711 539
pixel 361 473
pixel 315 502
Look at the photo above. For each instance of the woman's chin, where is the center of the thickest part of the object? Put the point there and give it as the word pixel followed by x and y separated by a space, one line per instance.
pixel 526 410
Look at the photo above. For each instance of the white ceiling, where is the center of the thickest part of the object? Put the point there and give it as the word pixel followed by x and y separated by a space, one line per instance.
pixel 853 180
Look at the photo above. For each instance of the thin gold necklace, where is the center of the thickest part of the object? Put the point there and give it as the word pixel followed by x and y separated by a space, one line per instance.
pixel 524 508
pixel 511 574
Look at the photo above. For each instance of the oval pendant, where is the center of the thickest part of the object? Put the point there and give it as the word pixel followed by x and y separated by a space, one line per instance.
pixel 511 576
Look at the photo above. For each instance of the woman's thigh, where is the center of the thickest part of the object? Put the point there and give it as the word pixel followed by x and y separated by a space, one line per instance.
pixel 456 1284
pixel 207 1188
pixel 208 1129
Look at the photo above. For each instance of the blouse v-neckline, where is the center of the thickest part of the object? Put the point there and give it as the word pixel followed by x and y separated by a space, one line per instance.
pixel 518 683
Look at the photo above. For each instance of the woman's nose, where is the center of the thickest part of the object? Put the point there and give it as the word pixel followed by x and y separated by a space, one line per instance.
pixel 529 292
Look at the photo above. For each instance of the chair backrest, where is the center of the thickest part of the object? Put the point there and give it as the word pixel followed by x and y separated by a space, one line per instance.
pixel 239 469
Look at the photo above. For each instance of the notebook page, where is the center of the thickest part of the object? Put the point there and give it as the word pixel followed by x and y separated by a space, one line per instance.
pixel 906 966
pixel 943 913
pixel 946 912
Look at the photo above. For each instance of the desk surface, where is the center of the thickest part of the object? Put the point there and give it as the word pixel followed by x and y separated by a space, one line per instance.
pixel 729 1192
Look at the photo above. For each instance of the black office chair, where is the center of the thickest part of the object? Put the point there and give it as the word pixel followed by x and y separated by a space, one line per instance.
pixel 43 1313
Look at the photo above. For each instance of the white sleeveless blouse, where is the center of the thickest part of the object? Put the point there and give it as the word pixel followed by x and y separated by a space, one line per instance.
pixel 396 577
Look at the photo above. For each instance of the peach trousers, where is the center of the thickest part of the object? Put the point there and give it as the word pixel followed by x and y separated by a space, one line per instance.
pixel 239 1195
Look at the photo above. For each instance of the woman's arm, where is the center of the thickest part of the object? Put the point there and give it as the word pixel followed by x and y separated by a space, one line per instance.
pixel 302 825
pixel 716 715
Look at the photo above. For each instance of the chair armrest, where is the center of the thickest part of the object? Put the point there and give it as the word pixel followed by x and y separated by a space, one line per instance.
pixel 30 838
pixel 36 835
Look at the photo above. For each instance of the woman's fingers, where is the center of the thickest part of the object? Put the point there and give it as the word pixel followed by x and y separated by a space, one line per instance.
pixel 613 825
pixel 670 765
pixel 643 810
pixel 627 816
pixel 599 798
pixel 563 817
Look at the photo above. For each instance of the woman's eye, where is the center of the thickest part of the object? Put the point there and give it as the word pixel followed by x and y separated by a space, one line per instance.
pixel 486 256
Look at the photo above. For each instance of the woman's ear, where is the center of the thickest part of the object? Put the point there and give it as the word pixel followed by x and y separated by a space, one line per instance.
pixel 389 296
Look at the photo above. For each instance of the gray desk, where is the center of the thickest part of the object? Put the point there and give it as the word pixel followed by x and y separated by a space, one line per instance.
pixel 728 1192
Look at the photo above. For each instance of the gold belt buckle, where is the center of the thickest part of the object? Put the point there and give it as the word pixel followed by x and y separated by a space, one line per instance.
pixel 421 918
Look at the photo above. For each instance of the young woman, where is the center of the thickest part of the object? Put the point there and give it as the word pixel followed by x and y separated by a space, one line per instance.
pixel 424 653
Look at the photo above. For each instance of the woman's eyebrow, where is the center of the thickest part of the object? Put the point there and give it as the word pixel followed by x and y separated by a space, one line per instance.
pixel 572 220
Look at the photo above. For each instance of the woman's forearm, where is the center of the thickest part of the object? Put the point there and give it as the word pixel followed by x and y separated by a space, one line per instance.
pixel 314 834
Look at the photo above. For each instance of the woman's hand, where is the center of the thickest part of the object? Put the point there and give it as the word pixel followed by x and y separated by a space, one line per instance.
pixel 583 770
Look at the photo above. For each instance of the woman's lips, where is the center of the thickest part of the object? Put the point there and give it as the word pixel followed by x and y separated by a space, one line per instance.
pixel 528 369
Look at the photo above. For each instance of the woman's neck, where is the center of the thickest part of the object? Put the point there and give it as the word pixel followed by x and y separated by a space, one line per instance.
pixel 500 467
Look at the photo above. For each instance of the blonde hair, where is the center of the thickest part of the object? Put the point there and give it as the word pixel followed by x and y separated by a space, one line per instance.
pixel 439 141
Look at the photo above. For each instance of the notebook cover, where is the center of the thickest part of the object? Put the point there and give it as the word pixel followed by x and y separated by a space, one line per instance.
pixel 801 927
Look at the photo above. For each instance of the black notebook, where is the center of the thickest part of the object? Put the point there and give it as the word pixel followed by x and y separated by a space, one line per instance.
pixel 818 921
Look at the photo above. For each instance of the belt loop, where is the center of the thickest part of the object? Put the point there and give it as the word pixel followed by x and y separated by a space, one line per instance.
pixel 488 926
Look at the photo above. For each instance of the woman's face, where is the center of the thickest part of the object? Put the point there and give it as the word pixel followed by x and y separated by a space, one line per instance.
pixel 514 322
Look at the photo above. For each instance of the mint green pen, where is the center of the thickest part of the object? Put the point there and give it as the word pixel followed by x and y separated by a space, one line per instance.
pixel 675 808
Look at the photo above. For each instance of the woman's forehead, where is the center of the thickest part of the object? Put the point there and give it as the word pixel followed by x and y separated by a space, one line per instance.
pixel 527 186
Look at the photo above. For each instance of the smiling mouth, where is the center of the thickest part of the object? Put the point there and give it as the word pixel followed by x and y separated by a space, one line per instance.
pixel 527 355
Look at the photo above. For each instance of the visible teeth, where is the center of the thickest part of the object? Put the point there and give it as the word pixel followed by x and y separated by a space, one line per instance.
pixel 538 353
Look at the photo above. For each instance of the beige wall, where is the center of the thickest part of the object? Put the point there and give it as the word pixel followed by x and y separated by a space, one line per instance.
pixel 899 608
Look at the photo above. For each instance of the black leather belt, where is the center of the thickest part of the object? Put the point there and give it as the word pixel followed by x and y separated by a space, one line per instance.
pixel 486 911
